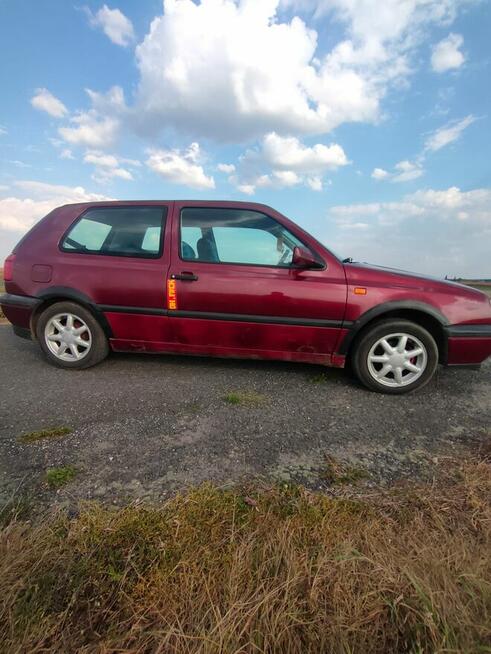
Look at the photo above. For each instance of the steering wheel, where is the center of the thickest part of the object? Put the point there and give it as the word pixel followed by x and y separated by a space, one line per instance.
pixel 283 257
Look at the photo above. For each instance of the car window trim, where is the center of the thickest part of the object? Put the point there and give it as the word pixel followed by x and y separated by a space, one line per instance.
pixel 235 263
pixel 165 212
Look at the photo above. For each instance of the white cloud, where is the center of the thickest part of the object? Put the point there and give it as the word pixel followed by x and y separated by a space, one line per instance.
pixel 114 23
pixel 107 166
pixel 267 71
pixel 104 174
pixel 3 130
pixel 448 134
pixel 290 153
pixel 379 23
pixel 285 161
pixel 314 183
pixel 434 231
pixel 181 167
pixel 99 126
pixel 379 173
pixel 407 171
pixel 286 177
pixel 46 101
pixel 446 54
pixel 32 200
pixel 253 64
pixel 404 171
pixel 131 162
pixel 101 159
pixel 248 189
pixel 66 153
pixel 226 168
pixel 91 131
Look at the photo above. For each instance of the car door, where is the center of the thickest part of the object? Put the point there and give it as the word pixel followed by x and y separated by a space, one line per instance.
pixel 233 289
pixel 117 257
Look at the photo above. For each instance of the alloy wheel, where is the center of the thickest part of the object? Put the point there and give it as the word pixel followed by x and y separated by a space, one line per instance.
pixel 68 337
pixel 397 360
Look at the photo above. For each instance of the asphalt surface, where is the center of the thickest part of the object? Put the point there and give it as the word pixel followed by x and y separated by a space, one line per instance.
pixel 145 426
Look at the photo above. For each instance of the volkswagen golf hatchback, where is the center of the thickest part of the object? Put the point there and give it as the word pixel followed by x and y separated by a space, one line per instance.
pixel 230 279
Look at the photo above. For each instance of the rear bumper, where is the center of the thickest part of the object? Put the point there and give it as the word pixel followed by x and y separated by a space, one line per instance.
pixel 18 308
pixel 468 345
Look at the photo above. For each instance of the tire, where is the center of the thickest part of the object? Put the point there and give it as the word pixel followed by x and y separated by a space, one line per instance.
pixel 390 366
pixel 85 343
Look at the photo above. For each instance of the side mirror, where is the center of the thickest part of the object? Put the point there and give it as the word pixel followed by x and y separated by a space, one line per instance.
pixel 303 258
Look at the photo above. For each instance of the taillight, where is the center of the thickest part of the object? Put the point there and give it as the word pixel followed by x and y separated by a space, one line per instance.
pixel 8 268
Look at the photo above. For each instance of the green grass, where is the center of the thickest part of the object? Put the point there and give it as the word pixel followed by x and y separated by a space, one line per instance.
pixel 257 570
pixel 34 436
pixel 320 378
pixel 250 398
pixel 58 477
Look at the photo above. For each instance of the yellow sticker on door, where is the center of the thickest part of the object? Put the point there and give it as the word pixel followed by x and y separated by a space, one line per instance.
pixel 171 294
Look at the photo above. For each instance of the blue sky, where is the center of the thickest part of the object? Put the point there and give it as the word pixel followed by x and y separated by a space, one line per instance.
pixel 367 123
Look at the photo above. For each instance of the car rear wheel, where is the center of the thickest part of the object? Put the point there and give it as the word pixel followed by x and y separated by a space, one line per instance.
pixel 395 357
pixel 70 336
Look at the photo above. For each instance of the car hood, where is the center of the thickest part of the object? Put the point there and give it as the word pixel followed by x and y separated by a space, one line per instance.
pixel 357 272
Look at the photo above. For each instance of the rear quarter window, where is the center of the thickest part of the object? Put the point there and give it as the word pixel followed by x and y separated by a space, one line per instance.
pixel 117 231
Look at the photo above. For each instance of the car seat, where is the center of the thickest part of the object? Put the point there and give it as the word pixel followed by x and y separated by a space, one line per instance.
pixel 207 250
pixel 187 251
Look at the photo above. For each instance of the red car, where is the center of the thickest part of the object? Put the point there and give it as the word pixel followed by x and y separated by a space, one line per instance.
pixel 230 279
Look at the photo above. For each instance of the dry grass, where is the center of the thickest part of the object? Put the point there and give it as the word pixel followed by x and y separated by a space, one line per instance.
pixel 281 570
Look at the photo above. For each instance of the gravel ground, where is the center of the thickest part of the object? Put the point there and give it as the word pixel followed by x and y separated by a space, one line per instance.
pixel 144 426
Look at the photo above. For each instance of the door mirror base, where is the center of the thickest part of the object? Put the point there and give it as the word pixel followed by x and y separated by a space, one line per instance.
pixel 303 258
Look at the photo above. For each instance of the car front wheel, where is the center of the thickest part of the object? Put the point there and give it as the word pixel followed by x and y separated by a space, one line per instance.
pixel 70 336
pixel 395 357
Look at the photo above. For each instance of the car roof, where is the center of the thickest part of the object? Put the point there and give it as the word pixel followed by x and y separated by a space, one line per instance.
pixel 191 203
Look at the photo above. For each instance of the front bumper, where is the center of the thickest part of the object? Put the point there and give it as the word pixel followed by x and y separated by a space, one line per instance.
pixel 18 308
pixel 468 345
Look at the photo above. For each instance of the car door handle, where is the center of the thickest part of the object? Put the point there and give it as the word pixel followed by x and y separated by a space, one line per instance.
pixel 185 277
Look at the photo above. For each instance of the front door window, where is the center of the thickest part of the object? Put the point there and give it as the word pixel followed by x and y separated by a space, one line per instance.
pixel 235 236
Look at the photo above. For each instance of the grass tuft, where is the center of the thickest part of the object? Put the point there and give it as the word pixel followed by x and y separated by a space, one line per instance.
pixel 278 570
pixel 57 477
pixel 250 398
pixel 320 378
pixel 16 509
pixel 338 472
pixel 54 432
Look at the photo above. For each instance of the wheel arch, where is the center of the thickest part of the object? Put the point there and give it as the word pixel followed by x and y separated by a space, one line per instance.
pixel 418 312
pixel 66 294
